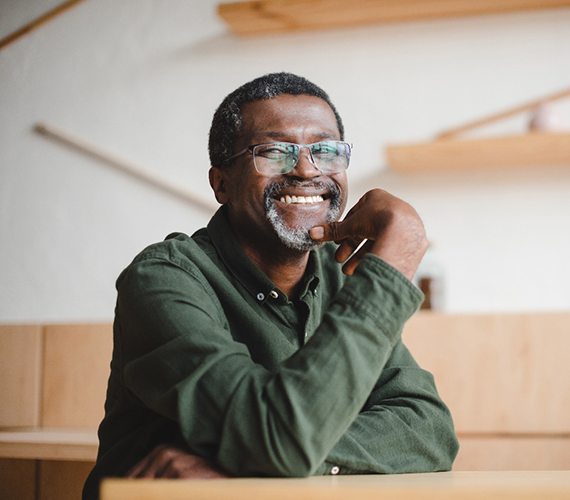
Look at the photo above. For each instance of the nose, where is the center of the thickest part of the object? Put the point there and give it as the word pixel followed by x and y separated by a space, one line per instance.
pixel 305 167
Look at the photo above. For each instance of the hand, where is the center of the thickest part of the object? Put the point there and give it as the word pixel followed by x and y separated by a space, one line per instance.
pixel 169 462
pixel 389 227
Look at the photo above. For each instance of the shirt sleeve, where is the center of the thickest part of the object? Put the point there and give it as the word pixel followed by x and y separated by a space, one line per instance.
pixel 403 427
pixel 179 360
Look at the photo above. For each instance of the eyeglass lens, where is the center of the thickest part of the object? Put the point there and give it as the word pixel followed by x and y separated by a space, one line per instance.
pixel 281 157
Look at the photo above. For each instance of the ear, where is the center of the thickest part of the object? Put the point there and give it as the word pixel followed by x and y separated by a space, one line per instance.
pixel 218 182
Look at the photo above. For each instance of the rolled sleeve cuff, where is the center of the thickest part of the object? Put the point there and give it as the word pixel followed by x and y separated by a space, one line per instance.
pixel 383 294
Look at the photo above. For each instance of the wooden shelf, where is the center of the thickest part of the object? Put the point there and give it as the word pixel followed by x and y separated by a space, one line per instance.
pixel 533 149
pixel 260 17
pixel 49 444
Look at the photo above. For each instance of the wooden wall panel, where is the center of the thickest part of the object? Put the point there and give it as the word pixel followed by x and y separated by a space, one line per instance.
pixel 62 480
pixel 76 368
pixel 17 479
pixel 498 373
pixel 513 453
pixel 20 358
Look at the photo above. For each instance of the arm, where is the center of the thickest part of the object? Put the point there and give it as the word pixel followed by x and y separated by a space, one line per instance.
pixel 179 360
pixel 404 426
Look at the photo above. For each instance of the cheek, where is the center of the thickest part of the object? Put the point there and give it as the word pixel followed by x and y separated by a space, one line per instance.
pixel 341 181
pixel 248 193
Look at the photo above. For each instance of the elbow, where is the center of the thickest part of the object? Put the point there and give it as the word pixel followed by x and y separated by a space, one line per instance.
pixel 451 451
pixel 447 446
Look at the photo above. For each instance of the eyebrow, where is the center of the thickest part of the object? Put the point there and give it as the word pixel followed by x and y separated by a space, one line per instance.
pixel 279 135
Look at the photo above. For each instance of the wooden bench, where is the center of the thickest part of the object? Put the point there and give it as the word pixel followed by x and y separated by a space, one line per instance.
pixel 505 378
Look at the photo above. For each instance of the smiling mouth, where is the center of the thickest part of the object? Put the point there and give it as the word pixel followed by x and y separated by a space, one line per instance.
pixel 301 199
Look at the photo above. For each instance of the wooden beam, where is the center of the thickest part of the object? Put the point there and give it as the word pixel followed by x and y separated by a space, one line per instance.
pixel 258 17
pixel 507 113
pixel 36 23
pixel 125 166
pixel 533 149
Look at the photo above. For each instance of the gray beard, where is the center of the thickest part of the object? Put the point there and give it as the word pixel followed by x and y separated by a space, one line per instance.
pixel 297 238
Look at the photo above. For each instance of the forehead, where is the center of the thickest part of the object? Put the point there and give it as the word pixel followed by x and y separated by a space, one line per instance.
pixel 289 117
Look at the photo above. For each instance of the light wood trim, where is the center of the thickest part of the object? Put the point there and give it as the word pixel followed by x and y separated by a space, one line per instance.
pixel 498 373
pixel 513 453
pixel 259 17
pixel 50 444
pixel 553 485
pixel 76 368
pixel 124 166
pixel 495 117
pixel 20 371
pixel 36 23
pixel 533 149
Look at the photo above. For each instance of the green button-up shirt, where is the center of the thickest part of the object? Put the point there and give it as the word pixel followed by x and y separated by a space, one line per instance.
pixel 211 356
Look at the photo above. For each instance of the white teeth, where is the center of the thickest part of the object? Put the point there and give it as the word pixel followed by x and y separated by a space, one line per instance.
pixel 300 199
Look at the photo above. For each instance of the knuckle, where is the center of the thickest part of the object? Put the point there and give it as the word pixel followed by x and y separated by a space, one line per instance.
pixel 333 229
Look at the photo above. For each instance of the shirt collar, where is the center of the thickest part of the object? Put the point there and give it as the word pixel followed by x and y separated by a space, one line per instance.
pixel 245 271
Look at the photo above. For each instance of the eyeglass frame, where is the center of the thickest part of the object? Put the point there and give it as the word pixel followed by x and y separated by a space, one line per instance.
pixel 250 149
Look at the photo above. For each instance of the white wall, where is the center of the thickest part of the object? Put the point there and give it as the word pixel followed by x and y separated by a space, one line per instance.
pixel 141 79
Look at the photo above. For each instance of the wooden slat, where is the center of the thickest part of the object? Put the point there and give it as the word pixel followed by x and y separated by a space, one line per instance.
pixel 20 366
pixel 49 444
pixel 513 453
pixel 533 149
pixel 498 373
pixel 277 16
pixel 76 369
pixel 62 480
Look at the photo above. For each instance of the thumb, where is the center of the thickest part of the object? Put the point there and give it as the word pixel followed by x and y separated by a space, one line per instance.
pixel 327 232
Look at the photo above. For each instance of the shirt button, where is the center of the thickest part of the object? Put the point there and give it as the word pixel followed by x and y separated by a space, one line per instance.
pixel 273 294
pixel 335 470
pixel 260 296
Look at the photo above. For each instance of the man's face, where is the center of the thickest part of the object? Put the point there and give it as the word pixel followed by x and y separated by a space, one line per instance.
pixel 263 206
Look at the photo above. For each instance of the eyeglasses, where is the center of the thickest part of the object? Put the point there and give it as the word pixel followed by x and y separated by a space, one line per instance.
pixel 278 158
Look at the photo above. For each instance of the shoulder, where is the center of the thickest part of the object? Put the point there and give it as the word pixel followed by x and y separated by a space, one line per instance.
pixel 178 250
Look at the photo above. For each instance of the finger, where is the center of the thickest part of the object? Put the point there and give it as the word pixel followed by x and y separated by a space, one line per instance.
pixel 335 231
pixel 347 248
pixel 140 466
pixel 158 461
pixel 322 233
pixel 353 262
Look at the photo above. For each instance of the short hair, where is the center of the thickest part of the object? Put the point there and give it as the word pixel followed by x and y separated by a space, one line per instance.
pixel 227 120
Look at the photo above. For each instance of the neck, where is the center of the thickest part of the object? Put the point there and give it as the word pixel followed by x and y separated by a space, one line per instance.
pixel 283 266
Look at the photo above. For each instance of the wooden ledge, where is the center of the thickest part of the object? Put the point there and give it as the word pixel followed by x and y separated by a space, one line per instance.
pixel 49 444
pixel 524 150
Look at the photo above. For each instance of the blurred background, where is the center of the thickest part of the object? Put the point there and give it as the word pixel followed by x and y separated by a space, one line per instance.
pixel 141 79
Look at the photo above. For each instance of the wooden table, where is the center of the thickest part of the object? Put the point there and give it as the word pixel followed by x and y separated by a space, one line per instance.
pixel 552 485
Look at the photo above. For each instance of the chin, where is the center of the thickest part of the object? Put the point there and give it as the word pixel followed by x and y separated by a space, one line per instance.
pixel 294 237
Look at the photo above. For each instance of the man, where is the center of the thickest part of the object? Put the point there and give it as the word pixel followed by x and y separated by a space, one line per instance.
pixel 244 350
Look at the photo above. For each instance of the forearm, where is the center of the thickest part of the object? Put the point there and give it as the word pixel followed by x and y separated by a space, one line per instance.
pixel 404 427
